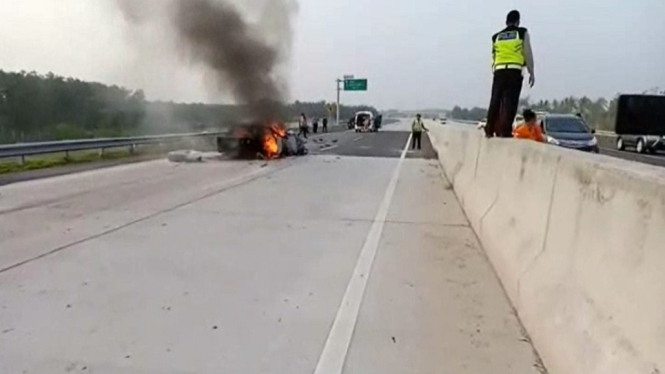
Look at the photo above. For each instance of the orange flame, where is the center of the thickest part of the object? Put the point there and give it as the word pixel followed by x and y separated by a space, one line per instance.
pixel 278 130
pixel 270 139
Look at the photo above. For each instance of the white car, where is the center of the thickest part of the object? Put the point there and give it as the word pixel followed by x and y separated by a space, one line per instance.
pixel 364 121
pixel 518 120
pixel 481 124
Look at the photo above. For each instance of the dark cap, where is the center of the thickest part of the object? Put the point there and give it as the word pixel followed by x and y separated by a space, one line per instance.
pixel 513 17
pixel 418 115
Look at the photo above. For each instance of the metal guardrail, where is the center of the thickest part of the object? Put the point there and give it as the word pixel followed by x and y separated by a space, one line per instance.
pixel 605 133
pixel 31 149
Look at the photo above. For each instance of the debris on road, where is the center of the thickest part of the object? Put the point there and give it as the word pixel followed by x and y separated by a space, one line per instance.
pixel 191 156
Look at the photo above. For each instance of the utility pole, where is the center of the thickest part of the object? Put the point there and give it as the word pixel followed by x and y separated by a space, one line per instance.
pixel 339 89
pixel 350 84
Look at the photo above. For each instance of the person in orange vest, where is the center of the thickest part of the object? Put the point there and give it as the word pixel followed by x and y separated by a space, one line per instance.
pixel 529 129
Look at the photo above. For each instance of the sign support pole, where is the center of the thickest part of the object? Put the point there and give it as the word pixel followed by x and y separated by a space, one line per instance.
pixel 339 89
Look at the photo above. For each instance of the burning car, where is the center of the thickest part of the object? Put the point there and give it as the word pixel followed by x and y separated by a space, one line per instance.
pixel 267 141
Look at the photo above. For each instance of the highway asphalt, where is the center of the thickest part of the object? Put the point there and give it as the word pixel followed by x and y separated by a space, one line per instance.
pixel 630 155
pixel 354 259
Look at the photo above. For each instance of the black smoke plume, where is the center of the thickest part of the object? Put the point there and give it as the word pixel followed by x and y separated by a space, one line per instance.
pixel 217 35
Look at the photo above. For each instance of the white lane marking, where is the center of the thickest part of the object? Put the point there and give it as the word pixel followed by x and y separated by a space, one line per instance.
pixel 337 345
pixel 358 138
pixel 328 148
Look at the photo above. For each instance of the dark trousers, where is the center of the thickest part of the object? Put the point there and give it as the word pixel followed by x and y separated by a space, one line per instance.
pixel 325 127
pixel 506 89
pixel 417 139
pixel 303 131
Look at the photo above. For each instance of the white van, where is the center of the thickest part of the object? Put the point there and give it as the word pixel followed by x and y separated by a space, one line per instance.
pixel 364 121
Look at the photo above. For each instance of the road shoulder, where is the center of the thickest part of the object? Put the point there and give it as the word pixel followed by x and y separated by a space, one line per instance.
pixel 433 302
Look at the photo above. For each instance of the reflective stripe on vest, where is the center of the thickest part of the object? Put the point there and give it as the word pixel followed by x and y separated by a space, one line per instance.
pixel 509 48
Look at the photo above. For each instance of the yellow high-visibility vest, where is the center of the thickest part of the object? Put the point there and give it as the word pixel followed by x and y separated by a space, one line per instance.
pixel 508 46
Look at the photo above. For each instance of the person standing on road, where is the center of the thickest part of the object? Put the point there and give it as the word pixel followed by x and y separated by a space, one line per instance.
pixel 315 125
pixel 511 52
pixel 325 125
pixel 529 129
pixel 417 128
pixel 302 125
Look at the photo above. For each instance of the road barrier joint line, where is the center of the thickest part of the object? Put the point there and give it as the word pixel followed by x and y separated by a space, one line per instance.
pixel 475 170
pixel 547 229
pixel 489 209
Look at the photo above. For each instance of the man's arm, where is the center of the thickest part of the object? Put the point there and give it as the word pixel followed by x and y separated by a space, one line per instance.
pixel 528 58
pixel 493 55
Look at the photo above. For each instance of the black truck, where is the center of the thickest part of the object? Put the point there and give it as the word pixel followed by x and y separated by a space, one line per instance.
pixel 640 123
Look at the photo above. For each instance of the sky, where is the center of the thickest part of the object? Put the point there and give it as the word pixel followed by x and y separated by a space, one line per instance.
pixel 433 54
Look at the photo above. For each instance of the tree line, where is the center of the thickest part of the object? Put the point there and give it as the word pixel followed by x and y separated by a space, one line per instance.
pixel 473 114
pixel 599 113
pixel 36 107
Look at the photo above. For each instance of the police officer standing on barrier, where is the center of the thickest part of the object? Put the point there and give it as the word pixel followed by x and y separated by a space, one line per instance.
pixel 511 52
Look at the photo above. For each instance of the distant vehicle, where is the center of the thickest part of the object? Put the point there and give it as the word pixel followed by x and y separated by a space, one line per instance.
pixel 640 123
pixel 364 121
pixel 444 121
pixel 569 131
pixel 518 119
pixel 482 123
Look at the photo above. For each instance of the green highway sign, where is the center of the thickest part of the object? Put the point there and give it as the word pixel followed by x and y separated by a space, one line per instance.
pixel 355 85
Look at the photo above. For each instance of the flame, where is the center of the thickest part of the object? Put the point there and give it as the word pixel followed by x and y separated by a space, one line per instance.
pixel 270 139
pixel 270 147
pixel 278 130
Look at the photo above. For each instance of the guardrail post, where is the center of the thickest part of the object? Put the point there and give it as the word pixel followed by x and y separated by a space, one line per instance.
pixel 132 149
pixel 101 152
pixel 67 155
pixel 22 159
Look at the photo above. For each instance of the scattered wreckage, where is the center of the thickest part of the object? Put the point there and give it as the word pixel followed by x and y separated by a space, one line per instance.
pixel 250 141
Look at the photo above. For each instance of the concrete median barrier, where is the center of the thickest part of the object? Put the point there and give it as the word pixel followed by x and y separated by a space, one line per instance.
pixel 578 242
